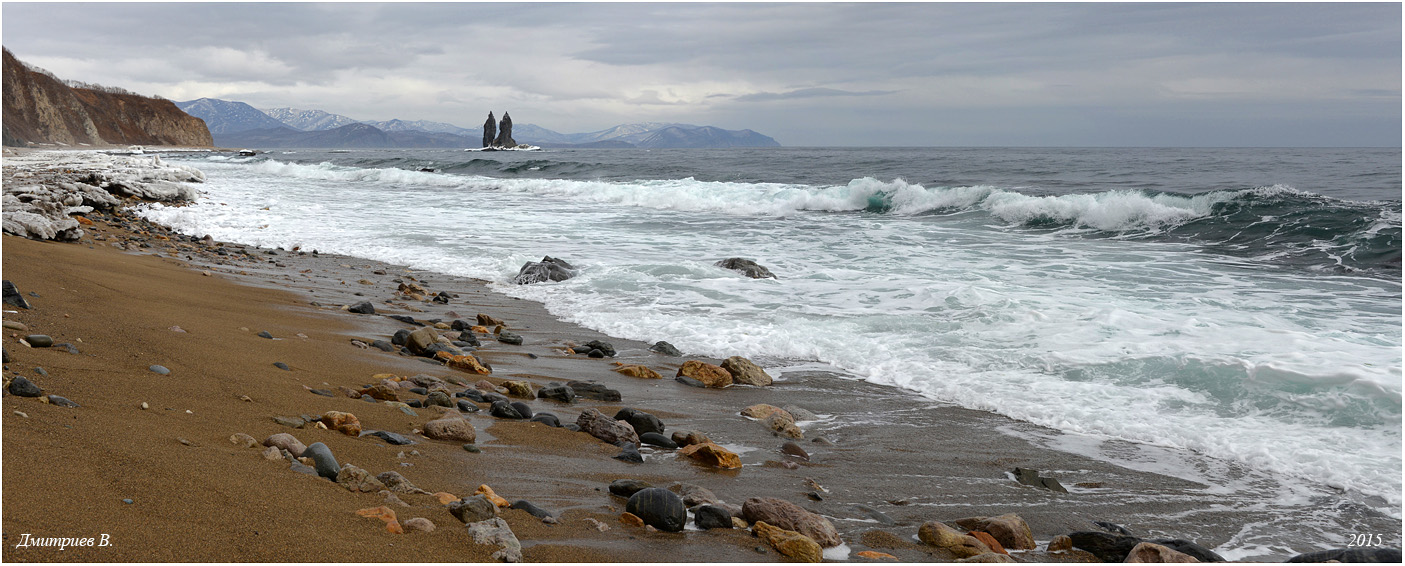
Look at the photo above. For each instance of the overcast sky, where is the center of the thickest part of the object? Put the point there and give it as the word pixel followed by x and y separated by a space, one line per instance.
pixel 806 74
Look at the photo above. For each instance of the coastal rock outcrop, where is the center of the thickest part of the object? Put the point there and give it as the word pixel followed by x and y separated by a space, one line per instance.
pixel 56 186
pixel 504 138
pixel 548 269
pixel 746 267
pixel 490 131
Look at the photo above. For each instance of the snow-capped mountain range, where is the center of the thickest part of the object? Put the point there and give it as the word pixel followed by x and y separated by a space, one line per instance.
pixel 239 124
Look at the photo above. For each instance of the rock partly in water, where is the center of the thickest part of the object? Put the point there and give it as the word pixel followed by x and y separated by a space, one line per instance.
pixel 597 424
pixel 956 542
pixel 639 372
pixel 656 439
pixel 659 508
pixel 710 375
pixel 629 454
pixel 548 269
pixel 1106 546
pixel 689 437
pixel 530 508
pixel 594 391
pixel 1009 529
pixel 1189 548
pixel 363 307
pixel 791 544
pixel 641 421
pixel 665 348
pixel 790 516
pixel 712 517
pixel 1150 552
pixel 560 393
pixel 712 455
pixel 504 410
pixel 746 267
pixel 745 372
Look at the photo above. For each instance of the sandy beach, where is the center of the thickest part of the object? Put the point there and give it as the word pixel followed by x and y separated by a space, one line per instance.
pixel 167 482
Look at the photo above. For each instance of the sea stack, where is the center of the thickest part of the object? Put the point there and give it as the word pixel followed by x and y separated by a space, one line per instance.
pixel 490 130
pixel 504 138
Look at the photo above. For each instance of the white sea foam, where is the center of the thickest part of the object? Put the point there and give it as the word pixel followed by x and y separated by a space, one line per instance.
pixel 1153 342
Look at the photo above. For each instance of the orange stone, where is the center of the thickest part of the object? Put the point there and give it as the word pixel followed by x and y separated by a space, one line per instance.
pixel 393 526
pixel 710 375
pixel 479 329
pixel 380 392
pixel 639 372
pixel 83 220
pixel 345 423
pixel 446 498
pixel 486 491
pixel 466 363
pixel 632 520
pixel 713 455
pixel 383 513
pixel 989 541
pixel 874 555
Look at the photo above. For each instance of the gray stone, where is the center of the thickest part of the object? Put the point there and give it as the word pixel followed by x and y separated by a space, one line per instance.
pixel 265 334
pixel 656 439
pixel 363 307
pixel 596 424
pixel 629 454
pixel 659 508
pixel 323 460
pixel 285 441
pixel 160 369
pixel 12 295
pixel 383 346
pixel 509 338
pixel 628 487
pixel 62 402
pixel 473 509
pixel 397 483
pixel 711 517
pixel 595 391
pixel 530 508
pixel 560 393
pixel 39 340
pixel 438 398
pixel 548 269
pixel 495 531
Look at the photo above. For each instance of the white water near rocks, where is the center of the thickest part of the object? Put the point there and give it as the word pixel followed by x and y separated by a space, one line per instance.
pixel 1074 311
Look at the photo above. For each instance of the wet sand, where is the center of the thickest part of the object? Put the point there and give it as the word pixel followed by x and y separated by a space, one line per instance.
pixel 67 471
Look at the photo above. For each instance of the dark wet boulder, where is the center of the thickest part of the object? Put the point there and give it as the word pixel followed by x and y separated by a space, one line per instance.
pixel 712 517
pixel 504 410
pixel 665 348
pixel 629 453
pixel 12 295
pixel 530 508
pixel 490 131
pixel 605 348
pixel 547 419
pixel 548 269
pixel 611 431
pixel 593 391
pixel 400 337
pixel 393 438
pixel 1351 555
pixel 363 307
pixel 1106 546
pixel 628 487
pixel 561 393
pixel 473 509
pixel 659 508
pixel 522 409
pixel 641 421
pixel 746 267
pixel 656 439
pixel 23 387
pixel 1189 548
pixel 509 338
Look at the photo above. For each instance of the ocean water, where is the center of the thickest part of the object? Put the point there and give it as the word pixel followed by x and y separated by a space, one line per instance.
pixel 1239 305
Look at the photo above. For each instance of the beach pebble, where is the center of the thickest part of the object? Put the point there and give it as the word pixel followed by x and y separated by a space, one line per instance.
pixel 357 480
pixel 473 509
pixel 509 338
pixel 519 389
pixel 530 508
pixel 322 392
pixel 1060 543
pixel 21 414
pixel 287 442
pixel 393 438
pixel 145 406
pixel 689 437
pixel 363 307
pixel 23 387
pixel 711 517
pixel 638 371
pixel 396 483
pixel 345 423
pixel 272 453
pixel 290 422
pixel 243 440
pixel 453 428
pixel 265 334
pixel 712 455
pixel 438 399
pixel 466 406
pixel 383 346
pixel 472 448
pixel 641 421
pixel 745 371
pixel 960 544
pixel 665 348
pixel 128 501
pixel 793 449
pixel 420 524
pixel 326 464
pixel 658 508
pixel 39 340
pixel 628 487
pixel 16 325
pixel 282 366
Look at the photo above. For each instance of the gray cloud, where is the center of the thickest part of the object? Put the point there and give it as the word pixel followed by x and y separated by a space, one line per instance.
pixel 927 73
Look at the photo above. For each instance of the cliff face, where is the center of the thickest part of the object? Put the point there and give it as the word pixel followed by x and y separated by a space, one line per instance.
pixel 40 109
